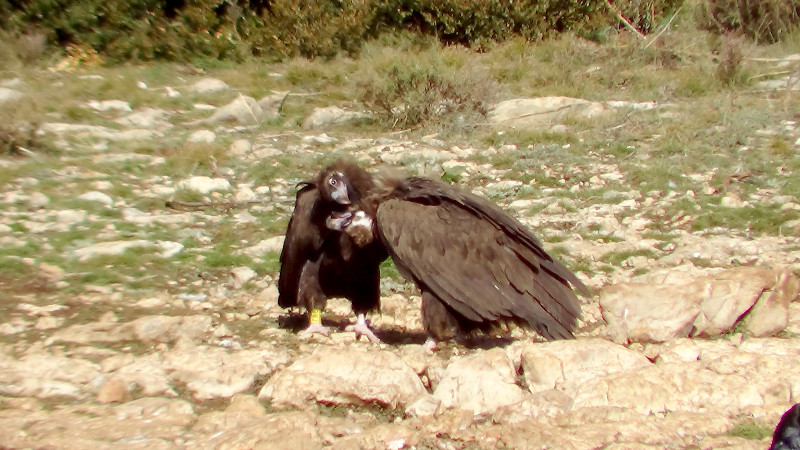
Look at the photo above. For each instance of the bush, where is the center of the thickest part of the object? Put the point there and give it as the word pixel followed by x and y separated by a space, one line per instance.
pixel 235 29
pixel 411 89
pixel 312 28
pixel 477 22
pixel 766 21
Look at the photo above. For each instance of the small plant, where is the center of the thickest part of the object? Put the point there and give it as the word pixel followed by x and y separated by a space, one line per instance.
pixel 730 63
pixel 752 430
pixel 408 90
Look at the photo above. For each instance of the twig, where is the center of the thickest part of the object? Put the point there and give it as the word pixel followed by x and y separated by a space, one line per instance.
pixel 771 74
pixel 664 28
pixel 255 119
pixel 25 151
pixel 625 21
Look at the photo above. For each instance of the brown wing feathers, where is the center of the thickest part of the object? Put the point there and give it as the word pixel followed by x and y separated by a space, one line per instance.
pixel 491 269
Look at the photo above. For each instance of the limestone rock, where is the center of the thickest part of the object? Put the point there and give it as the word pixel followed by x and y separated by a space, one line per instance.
pixel 540 112
pixel 202 136
pixel 10 95
pixel 209 85
pixel 481 383
pixel 243 110
pixel 331 115
pixel 211 372
pixel 43 375
pixel 350 377
pixel 556 364
pixel 167 249
pixel 100 132
pixel 96 196
pixel 241 275
pixel 272 104
pixel 147 329
pixel 205 185
pixel 246 110
pixel 109 105
pixel 706 306
pixel 146 118
pixel 113 391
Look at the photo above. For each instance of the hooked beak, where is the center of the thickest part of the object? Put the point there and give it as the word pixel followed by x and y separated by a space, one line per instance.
pixel 340 195
pixel 338 221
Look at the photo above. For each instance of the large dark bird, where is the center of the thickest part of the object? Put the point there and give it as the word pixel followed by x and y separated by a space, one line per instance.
pixel 319 262
pixel 477 267
pixel 787 433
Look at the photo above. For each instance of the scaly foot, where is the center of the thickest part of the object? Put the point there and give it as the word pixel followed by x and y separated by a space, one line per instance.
pixel 430 344
pixel 315 328
pixel 362 329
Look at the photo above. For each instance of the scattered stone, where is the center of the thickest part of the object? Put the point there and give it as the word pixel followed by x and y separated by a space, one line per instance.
pixel 205 185
pixel 96 131
pixel 241 275
pixel 241 147
pixel 114 391
pixel 96 196
pixel 146 118
pixel 208 86
pixel 246 110
pixel 331 115
pixel 10 95
pixel 70 216
pixel 203 136
pixel 542 112
pixel 167 249
pixel 109 105
pixel 271 245
pixel 37 200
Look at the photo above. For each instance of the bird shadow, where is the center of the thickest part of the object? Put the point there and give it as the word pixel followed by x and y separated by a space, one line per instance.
pixel 393 336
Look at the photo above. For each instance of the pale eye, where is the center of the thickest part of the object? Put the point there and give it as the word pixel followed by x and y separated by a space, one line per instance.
pixel 332 182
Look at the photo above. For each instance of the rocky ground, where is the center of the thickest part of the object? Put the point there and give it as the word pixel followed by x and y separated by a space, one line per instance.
pixel 130 324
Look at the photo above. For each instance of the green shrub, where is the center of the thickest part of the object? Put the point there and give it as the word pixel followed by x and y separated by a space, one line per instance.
pixel 474 23
pixel 410 89
pixel 236 29
pixel 312 28
pixel 766 21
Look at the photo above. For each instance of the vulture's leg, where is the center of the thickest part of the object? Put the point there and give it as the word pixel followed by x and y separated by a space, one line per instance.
pixel 361 328
pixel 310 295
pixel 437 320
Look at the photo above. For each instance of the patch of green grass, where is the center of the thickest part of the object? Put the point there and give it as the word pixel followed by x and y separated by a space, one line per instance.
pixel 617 258
pixel 752 430
pixel 757 218
pixel 389 270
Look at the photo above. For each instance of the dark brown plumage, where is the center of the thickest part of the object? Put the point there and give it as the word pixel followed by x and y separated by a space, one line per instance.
pixel 476 266
pixel 318 262
pixel 787 432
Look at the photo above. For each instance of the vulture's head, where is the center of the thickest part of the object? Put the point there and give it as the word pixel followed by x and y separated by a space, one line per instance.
pixel 344 183
pixel 357 224
pixel 335 187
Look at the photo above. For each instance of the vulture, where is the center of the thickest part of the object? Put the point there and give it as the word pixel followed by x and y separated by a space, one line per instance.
pixel 476 266
pixel 787 433
pixel 318 261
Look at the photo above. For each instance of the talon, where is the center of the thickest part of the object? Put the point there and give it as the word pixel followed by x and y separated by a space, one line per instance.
pixel 362 329
pixel 315 328
pixel 430 344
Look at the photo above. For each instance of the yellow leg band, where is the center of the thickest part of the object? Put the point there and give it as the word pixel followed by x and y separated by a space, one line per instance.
pixel 315 316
